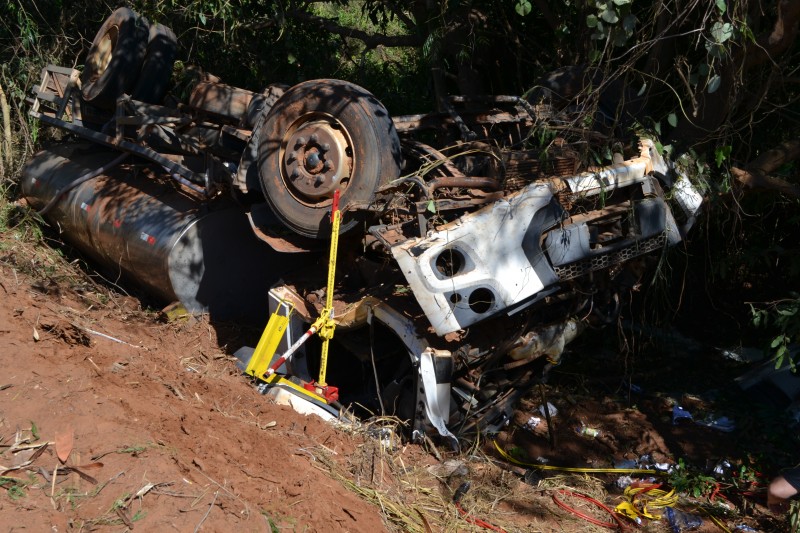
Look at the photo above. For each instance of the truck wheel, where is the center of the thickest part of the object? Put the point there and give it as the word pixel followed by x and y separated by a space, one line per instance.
pixel 322 136
pixel 156 73
pixel 115 57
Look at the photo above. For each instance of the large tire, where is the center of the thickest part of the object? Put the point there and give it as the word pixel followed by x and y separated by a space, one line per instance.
pixel 115 58
pixel 319 137
pixel 156 72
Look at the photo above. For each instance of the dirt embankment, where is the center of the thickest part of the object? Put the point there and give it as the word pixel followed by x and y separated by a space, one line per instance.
pixel 157 429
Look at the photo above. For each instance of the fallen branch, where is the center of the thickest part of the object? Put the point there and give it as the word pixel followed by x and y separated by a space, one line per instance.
pixel 759 180
pixel 756 174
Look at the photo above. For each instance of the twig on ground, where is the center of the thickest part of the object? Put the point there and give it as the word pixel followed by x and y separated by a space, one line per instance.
pixel 207 512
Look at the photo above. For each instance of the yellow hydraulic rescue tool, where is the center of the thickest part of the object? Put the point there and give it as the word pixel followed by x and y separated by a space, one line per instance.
pixel 325 325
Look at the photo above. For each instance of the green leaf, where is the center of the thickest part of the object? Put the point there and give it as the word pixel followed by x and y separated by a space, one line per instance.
pixel 713 83
pixel 721 154
pixel 610 16
pixel 34 430
pixel 721 31
pixel 621 2
pixel 202 18
pixel 522 7
pixel 591 21
pixel 629 23
pixel 641 91
pixel 722 6
pixel 672 118
pixel 431 206
pixel 777 341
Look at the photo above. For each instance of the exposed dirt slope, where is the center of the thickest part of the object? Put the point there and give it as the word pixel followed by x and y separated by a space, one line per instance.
pixel 162 414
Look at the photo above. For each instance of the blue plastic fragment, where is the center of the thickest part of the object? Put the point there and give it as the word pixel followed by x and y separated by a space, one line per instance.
pixel 722 423
pixel 679 413
pixel 681 521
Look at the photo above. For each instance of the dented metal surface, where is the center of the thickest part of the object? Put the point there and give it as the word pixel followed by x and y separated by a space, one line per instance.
pixel 469 264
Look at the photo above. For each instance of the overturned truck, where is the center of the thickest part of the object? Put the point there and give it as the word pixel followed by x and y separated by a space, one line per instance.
pixel 467 258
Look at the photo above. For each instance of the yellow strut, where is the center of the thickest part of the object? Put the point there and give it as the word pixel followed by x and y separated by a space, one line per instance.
pixel 326 317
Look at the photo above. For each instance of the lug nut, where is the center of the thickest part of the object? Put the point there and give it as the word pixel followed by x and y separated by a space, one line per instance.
pixel 312 160
pixel 325 147
pixel 292 157
pixel 314 139
pixel 301 141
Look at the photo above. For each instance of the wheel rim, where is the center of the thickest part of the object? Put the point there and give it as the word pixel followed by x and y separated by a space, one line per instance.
pixel 101 56
pixel 316 158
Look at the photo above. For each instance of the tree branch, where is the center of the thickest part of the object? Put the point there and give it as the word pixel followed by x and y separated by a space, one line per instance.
pixel 755 176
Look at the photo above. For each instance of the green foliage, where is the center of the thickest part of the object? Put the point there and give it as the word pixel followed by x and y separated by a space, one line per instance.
pixel 522 7
pixel 612 21
pixel 14 487
pixel 782 318
pixel 687 480
pixel 794 516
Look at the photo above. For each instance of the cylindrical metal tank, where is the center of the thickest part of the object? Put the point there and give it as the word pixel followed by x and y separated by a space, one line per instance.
pixel 139 224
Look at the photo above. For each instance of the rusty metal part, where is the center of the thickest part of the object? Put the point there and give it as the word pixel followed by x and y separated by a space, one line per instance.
pixel 150 231
pixel 268 228
pixel 465 182
pixel 221 100
pixel 178 172
pixel 318 156
pixel 428 154
pixel 410 123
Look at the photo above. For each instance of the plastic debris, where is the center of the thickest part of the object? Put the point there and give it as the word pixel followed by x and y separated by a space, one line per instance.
pixel 451 467
pixel 623 481
pixel 532 423
pixel 723 423
pixel 744 527
pixel 743 355
pixel 628 510
pixel 722 467
pixel 550 408
pixel 681 521
pixel 664 467
pixel 679 413
pixel 588 431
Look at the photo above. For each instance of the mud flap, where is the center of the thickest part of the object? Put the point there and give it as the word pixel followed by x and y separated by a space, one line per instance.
pixel 433 396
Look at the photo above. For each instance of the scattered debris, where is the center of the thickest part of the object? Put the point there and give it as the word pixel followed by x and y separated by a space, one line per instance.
pixel 680 414
pixel 532 423
pixel 681 521
pixel 549 410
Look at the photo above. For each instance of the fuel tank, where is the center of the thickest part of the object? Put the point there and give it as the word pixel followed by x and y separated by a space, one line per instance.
pixel 139 224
